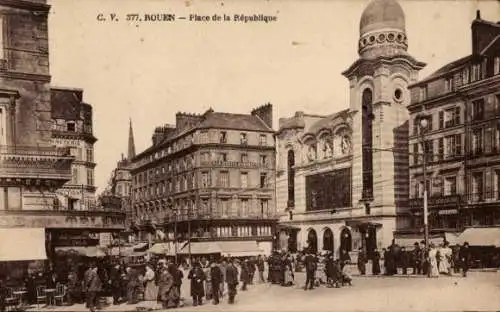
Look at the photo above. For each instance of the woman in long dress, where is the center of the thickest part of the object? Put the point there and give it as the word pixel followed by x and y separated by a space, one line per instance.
pixel 150 289
pixel 445 264
pixel 433 254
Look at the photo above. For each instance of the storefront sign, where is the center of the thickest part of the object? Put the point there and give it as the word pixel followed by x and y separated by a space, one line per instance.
pixel 452 200
pixel 63 221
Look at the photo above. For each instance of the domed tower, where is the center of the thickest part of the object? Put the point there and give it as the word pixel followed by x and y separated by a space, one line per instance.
pixel 382 30
pixel 378 83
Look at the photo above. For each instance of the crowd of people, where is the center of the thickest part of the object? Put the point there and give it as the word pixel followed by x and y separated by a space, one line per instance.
pixel 432 261
pixel 160 279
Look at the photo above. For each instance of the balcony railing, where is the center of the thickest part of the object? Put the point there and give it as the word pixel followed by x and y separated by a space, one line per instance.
pixel 233 164
pixel 39 162
pixel 207 216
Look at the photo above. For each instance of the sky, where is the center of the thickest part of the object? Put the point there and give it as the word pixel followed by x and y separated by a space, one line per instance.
pixel 148 71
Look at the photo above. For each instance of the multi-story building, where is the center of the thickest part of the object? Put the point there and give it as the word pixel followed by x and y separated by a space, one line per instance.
pixel 72 128
pixel 210 178
pixel 120 183
pixel 31 167
pixel 461 104
pixel 343 178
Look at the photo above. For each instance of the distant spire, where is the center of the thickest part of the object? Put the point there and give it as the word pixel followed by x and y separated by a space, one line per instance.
pixel 131 144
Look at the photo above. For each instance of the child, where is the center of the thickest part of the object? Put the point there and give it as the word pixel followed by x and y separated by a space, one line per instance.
pixel 346 275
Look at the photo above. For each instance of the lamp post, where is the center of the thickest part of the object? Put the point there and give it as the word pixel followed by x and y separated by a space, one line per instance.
pixel 175 235
pixel 424 124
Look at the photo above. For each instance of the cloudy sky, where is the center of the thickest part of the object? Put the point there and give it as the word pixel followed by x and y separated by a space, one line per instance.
pixel 150 71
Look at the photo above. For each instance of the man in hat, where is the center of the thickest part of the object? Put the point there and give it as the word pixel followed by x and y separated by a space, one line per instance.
pixel 244 275
pixel 216 278
pixel 232 280
pixel 311 265
pixel 362 261
pixel 417 259
pixel 465 258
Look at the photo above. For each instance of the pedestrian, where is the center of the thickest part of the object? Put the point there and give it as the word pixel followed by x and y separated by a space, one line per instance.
pixel 208 280
pixel 404 260
pixel 465 258
pixel 446 258
pixel 150 290
pixel 424 258
pixel 231 280
pixel 432 260
pixel 197 277
pixel 251 270
pixel 178 275
pixel 362 261
pixel 416 259
pixel 115 281
pixel 244 275
pixel 94 285
pixel 311 265
pixel 345 258
pixel 132 285
pixel 376 262
pixel 260 267
pixel 223 266
pixel 166 288
pixel 216 278
pixel 3 295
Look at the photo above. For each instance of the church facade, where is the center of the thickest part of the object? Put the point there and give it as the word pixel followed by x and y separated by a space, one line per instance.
pixel 343 178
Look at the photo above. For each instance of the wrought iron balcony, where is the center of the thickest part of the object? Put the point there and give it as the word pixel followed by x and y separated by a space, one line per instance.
pixel 36 162
pixel 233 164
pixel 217 216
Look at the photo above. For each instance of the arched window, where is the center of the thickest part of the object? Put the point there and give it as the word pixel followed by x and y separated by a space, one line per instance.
pixel 367 118
pixel 291 178
pixel 328 240
pixel 312 241
pixel 345 240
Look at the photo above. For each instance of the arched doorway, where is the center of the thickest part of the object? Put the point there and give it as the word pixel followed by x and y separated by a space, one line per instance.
pixel 328 240
pixel 312 241
pixel 345 240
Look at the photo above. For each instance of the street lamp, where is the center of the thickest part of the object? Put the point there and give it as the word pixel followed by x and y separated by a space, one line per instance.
pixel 424 126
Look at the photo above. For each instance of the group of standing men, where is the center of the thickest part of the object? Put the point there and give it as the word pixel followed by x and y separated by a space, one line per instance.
pixel 422 260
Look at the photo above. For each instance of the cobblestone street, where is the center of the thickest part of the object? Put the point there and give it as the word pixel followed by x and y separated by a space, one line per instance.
pixel 479 291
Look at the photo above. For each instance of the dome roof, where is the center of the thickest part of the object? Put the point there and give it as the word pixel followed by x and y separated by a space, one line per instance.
pixel 380 14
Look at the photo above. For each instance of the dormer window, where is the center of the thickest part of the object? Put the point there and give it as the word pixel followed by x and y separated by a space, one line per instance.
pixel 70 126
pixel 423 93
pixel 496 65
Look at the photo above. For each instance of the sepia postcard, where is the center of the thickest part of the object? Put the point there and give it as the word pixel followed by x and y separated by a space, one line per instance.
pixel 252 155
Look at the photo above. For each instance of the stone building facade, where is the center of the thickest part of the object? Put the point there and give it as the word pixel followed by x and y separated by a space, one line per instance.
pixel 209 178
pixel 373 173
pixel 32 169
pixel 461 102
pixel 72 128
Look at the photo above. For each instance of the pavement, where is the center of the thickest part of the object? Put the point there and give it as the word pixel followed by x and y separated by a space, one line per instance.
pixel 479 291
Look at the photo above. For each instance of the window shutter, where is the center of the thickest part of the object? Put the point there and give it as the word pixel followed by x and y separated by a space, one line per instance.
pixel 458 144
pixel 487 141
pixel 441 148
pixel 457 116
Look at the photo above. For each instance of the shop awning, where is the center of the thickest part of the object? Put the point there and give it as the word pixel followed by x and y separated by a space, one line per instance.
pixel 87 251
pixel 240 248
pixel 480 237
pixel 22 244
pixel 163 249
pixel 409 242
pixel 201 248
pixel 141 247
